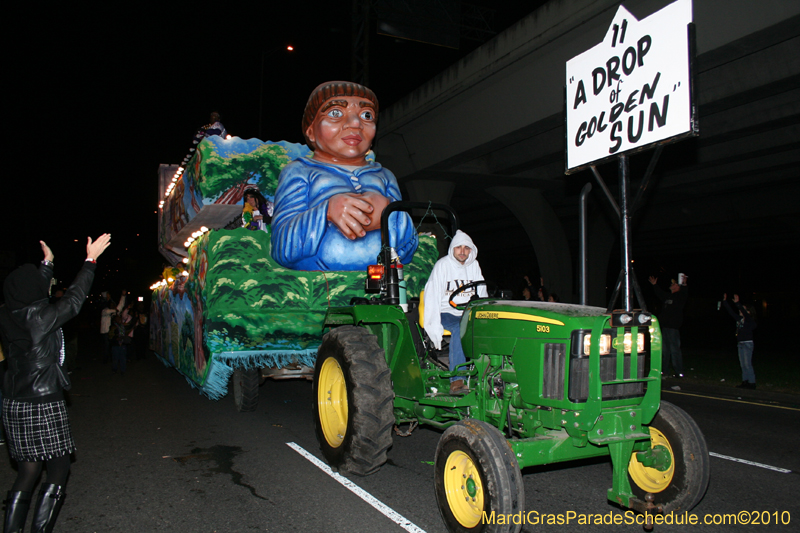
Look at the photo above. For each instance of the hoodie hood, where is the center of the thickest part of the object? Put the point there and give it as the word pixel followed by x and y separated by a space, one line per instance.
pixel 462 239
pixel 24 286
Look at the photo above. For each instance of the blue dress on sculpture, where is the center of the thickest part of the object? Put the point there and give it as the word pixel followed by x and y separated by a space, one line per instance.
pixel 302 237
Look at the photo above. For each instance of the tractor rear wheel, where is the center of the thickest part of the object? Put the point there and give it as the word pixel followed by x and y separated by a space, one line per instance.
pixel 353 401
pixel 680 485
pixel 477 476
pixel 245 388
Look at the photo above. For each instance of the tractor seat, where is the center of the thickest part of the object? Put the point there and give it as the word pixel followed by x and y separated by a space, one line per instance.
pixel 422 313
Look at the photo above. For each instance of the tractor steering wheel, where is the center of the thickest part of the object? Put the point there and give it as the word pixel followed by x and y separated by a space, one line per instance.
pixel 491 290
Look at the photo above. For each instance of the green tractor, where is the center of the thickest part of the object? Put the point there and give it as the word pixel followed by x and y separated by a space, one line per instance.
pixel 548 383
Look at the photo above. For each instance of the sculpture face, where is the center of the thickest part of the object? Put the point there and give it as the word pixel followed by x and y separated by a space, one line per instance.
pixel 343 130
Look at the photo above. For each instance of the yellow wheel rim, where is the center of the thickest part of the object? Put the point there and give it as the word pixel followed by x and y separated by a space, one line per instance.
pixel 332 402
pixel 651 479
pixel 464 489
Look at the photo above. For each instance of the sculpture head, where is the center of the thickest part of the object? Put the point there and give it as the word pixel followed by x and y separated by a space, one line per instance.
pixel 339 122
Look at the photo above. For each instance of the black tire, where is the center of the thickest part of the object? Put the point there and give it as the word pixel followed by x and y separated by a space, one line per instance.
pixel 477 452
pixel 684 484
pixel 353 401
pixel 245 389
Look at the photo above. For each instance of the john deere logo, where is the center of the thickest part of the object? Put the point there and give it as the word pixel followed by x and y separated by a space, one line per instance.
pixel 492 315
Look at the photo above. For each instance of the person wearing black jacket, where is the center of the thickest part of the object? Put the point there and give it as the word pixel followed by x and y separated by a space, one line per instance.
pixel 745 324
pixel 34 413
pixel 671 318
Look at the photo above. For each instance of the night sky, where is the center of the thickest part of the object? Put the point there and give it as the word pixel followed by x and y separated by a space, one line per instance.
pixel 100 96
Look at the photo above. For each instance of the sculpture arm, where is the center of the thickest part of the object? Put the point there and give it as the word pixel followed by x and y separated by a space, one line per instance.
pixel 297 228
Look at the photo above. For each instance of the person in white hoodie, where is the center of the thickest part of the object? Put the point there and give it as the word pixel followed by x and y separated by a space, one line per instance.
pixel 459 267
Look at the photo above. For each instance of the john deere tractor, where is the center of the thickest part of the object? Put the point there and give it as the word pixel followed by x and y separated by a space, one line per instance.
pixel 548 383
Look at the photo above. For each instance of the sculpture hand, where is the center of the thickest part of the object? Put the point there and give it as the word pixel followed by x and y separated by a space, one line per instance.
pixel 378 203
pixel 349 212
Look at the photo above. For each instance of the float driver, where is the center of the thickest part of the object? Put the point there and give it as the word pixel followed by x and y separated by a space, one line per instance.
pixel 459 267
pixel 328 207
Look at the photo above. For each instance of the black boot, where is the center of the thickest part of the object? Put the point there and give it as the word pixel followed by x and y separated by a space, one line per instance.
pixel 47 506
pixel 17 505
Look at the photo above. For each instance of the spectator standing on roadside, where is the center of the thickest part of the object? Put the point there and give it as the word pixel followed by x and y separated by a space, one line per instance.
pixel 106 315
pixel 34 412
pixel 671 318
pixel 142 334
pixel 745 324
pixel 119 347
pixel 128 319
pixel 541 294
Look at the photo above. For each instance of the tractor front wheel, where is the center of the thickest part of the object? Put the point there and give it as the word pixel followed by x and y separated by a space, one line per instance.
pixel 353 401
pixel 680 483
pixel 477 479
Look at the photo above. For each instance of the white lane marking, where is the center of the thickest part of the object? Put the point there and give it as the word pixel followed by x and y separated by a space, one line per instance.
pixel 751 463
pixel 731 400
pixel 391 514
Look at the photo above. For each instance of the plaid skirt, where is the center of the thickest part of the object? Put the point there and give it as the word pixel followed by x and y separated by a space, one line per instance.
pixel 37 432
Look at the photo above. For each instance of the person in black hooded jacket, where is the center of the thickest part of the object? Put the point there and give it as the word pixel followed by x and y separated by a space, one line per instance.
pixel 34 412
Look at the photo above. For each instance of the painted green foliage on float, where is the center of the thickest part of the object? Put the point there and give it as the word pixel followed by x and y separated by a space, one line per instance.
pixel 175 335
pixel 251 312
pixel 245 285
pixel 218 174
pixel 227 168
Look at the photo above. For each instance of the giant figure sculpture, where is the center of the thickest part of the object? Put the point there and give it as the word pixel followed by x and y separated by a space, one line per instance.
pixel 328 207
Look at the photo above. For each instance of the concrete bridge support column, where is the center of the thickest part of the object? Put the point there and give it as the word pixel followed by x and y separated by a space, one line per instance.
pixel 546 235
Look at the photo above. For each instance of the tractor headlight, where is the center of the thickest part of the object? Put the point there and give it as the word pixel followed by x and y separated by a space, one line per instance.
pixel 627 340
pixel 582 343
pixel 605 344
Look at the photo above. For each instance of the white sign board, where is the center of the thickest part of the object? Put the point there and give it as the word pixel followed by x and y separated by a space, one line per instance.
pixel 631 90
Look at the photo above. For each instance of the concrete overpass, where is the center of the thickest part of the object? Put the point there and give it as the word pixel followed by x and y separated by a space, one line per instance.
pixel 487 136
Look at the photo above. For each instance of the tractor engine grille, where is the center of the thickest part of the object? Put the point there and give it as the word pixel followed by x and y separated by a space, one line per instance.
pixel 579 374
pixel 555 364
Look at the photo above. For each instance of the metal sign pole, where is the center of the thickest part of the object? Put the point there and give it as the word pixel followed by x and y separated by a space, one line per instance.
pixel 625 231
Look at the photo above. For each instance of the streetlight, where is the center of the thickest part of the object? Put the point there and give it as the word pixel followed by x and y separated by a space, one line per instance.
pixel 288 48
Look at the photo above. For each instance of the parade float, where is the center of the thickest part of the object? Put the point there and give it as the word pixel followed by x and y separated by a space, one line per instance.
pixel 224 307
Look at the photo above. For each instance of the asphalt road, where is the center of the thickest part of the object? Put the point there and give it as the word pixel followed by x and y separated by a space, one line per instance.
pixel 154 455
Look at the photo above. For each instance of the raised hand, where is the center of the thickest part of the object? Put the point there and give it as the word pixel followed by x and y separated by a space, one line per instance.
pixel 48 253
pixel 96 248
pixel 653 280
